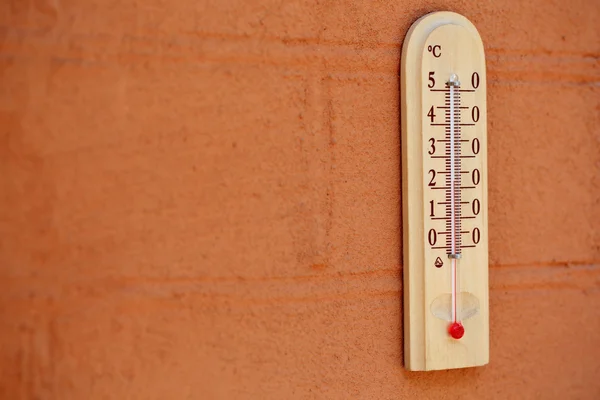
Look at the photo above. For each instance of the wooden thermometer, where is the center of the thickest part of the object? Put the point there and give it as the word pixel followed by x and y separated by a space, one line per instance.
pixel 444 188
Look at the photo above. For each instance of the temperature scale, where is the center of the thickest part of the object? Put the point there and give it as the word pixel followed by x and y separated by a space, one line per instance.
pixel 444 190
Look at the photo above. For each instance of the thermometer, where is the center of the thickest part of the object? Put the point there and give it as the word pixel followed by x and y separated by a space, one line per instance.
pixel 444 190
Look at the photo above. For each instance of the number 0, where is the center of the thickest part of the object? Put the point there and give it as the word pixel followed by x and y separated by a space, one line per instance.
pixel 475 114
pixel 432 237
pixel 476 206
pixel 475 80
pixel 475 146
pixel 476 177
pixel 476 235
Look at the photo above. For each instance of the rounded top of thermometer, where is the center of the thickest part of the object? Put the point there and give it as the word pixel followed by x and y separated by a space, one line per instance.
pixel 453 80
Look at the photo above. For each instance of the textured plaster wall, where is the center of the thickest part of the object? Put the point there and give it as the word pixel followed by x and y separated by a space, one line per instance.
pixel 201 200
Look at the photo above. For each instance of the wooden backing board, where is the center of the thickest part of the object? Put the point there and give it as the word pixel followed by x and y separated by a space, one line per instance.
pixel 424 72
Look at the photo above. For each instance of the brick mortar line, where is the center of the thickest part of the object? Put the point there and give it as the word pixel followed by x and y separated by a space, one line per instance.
pixel 544 266
pixel 162 50
pixel 296 41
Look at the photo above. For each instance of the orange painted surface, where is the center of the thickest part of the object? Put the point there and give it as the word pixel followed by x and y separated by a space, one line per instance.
pixel 201 200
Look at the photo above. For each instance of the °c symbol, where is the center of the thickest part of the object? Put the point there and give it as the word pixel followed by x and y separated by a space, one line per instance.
pixel 436 50
pixel 438 262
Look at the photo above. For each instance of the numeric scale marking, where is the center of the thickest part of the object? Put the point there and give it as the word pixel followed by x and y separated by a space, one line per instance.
pixel 444 166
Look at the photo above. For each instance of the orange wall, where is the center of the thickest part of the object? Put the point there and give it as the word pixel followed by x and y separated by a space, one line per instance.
pixel 201 199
